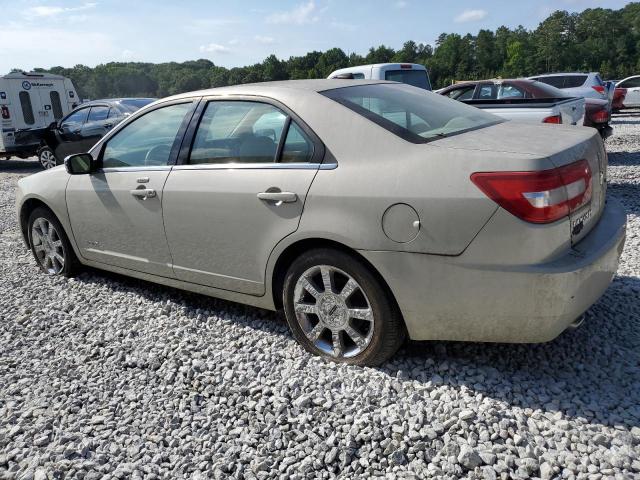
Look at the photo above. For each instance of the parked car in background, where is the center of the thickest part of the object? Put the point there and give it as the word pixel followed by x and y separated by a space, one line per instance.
pixel 519 99
pixel 28 102
pixel 588 85
pixel 82 128
pixel 632 86
pixel 374 210
pixel 619 96
pixel 409 73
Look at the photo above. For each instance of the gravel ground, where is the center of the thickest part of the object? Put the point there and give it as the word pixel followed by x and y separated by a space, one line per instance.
pixel 107 377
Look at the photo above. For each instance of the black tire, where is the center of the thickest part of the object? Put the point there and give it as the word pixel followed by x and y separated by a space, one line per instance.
pixel 389 330
pixel 47 158
pixel 71 264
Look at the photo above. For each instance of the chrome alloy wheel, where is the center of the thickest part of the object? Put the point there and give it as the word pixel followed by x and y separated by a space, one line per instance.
pixel 47 159
pixel 47 246
pixel 333 311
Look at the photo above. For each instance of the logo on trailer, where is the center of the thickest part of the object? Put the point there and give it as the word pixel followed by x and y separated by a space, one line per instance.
pixel 26 85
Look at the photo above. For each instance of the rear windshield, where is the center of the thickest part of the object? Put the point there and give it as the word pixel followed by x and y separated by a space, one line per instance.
pixel 543 90
pixel 564 81
pixel 417 78
pixel 411 113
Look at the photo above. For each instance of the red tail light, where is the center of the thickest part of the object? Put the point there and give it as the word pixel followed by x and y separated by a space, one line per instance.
pixel 553 119
pixel 5 112
pixel 539 197
pixel 601 116
pixel 599 89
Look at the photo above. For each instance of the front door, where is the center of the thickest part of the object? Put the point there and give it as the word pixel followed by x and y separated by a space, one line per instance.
pixel 116 213
pixel 242 191
pixel 67 135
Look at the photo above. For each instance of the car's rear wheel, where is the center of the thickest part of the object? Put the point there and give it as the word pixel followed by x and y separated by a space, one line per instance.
pixel 50 245
pixel 47 158
pixel 338 309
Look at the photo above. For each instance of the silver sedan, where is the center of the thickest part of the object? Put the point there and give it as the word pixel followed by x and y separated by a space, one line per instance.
pixel 368 211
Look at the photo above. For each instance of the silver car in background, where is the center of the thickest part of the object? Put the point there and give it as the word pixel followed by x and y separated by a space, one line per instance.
pixel 368 210
pixel 587 85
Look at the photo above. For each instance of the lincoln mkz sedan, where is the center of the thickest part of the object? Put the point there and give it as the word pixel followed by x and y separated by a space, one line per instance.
pixel 368 210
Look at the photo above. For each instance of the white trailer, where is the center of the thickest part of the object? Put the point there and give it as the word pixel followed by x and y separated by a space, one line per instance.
pixel 409 73
pixel 30 102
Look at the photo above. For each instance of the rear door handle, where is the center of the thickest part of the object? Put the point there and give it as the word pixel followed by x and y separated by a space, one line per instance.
pixel 278 197
pixel 143 193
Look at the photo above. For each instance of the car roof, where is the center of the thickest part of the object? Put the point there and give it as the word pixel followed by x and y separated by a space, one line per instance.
pixel 269 88
pixel 563 74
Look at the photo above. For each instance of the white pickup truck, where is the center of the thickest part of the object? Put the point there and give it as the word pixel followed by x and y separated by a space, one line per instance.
pixel 518 100
pixel 409 73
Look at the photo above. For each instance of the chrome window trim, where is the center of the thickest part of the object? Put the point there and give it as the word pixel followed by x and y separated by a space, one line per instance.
pixel 258 166
pixel 158 168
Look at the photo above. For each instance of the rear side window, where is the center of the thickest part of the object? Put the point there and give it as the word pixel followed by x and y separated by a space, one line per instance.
pixel 573 81
pixel 27 109
pixel 56 105
pixel 248 132
pixel 417 78
pixel 410 113
pixel 509 91
pixel 631 83
pixel 98 113
pixel 557 82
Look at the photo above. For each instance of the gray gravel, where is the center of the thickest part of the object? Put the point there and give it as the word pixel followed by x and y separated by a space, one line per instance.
pixel 107 377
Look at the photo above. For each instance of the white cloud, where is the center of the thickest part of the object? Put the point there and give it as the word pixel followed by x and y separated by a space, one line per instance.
pixel 233 41
pixel 400 4
pixel 347 27
pixel 214 48
pixel 300 15
pixel 263 39
pixel 53 10
pixel 470 16
pixel 127 54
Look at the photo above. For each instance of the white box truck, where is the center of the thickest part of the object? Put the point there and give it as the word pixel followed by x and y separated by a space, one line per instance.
pixel 30 102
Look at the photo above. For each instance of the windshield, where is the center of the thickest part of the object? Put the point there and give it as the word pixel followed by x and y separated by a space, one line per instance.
pixel 411 113
pixel 417 78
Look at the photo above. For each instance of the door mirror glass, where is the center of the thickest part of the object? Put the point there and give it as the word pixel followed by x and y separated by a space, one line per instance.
pixel 79 164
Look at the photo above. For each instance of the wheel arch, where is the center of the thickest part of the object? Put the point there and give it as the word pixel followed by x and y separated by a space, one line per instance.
pixel 28 206
pixel 293 251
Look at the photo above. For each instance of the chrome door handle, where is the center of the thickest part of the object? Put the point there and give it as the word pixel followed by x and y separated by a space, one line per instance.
pixel 278 197
pixel 143 193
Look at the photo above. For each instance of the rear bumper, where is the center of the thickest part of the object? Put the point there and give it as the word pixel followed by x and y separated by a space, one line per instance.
pixel 446 298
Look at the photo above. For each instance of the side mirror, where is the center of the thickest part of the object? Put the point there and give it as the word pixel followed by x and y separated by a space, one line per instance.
pixel 79 164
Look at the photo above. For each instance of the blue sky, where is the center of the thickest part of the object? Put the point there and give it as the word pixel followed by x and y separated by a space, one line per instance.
pixel 235 33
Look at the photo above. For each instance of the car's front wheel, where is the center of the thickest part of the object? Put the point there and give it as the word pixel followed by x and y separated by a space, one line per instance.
pixel 50 245
pixel 47 158
pixel 338 309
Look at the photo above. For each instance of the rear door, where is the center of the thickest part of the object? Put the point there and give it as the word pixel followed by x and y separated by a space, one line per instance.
pixel 240 189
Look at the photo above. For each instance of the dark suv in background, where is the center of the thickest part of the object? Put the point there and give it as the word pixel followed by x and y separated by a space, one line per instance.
pixel 83 127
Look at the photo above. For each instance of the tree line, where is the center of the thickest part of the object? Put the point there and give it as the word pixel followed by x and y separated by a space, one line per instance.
pixel 596 39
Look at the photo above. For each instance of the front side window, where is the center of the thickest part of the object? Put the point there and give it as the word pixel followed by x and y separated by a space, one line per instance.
pixel 146 141
pixel 56 105
pixel 248 132
pixel 98 113
pixel 417 78
pixel 410 113
pixel 27 109
pixel 487 92
pixel 75 118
